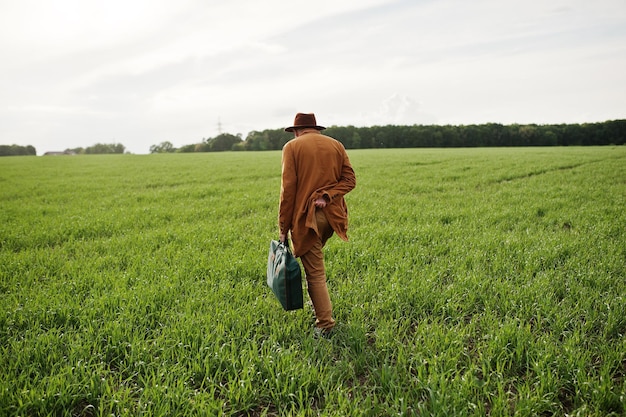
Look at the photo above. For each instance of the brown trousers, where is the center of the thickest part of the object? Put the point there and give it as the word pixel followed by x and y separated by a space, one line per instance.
pixel 315 272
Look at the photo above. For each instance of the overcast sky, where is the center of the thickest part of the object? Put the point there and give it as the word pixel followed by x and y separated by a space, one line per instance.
pixel 139 72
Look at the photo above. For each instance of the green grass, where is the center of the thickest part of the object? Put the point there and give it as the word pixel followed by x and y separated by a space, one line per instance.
pixel 476 282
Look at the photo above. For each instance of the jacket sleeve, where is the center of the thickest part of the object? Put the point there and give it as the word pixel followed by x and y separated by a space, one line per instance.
pixel 345 184
pixel 288 184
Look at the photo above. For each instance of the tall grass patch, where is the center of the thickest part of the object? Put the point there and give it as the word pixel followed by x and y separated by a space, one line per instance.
pixel 476 282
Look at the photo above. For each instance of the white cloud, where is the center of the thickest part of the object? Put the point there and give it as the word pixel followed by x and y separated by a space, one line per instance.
pixel 397 109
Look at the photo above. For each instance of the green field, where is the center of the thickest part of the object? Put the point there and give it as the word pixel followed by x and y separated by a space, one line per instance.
pixel 476 282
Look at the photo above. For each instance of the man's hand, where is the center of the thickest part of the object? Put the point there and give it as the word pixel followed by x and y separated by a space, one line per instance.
pixel 320 202
pixel 281 237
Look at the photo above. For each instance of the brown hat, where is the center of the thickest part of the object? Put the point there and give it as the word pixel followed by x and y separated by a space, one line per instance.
pixel 303 120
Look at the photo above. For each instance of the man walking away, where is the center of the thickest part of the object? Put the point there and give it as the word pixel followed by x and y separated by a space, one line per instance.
pixel 316 174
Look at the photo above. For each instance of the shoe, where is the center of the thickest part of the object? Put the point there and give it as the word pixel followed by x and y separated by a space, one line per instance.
pixel 321 333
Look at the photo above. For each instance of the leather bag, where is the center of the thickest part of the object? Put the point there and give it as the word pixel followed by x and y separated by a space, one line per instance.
pixel 284 276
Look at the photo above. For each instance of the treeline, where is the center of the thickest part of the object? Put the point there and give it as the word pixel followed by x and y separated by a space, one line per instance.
pixel 486 135
pixel 220 143
pixel 98 148
pixel 390 136
pixel 426 136
pixel 15 150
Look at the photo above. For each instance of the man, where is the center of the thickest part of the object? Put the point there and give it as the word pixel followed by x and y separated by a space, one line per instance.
pixel 316 174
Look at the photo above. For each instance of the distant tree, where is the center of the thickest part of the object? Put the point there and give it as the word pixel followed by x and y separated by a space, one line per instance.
pixel 549 138
pixel 257 141
pixel 267 140
pixel 355 143
pixel 224 142
pixel 105 148
pixel 614 132
pixel 187 148
pixel 203 146
pixel 163 147
pixel 15 150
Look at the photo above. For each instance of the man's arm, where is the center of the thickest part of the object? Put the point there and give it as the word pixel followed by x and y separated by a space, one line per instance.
pixel 287 193
pixel 346 183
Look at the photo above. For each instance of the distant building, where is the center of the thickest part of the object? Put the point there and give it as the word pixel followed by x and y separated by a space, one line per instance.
pixel 56 153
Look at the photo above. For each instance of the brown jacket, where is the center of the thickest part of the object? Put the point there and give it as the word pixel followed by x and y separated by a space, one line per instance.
pixel 313 166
